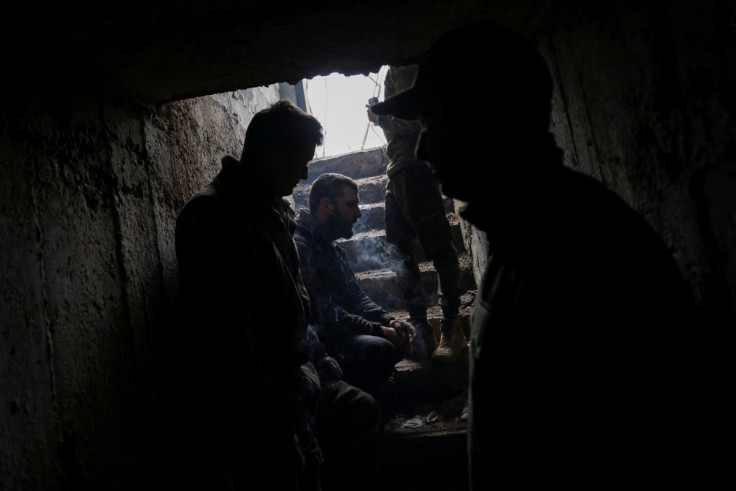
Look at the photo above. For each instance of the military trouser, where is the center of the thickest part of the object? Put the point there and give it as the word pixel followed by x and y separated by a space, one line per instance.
pixel 415 211
pixel 367 360
pixel 349 427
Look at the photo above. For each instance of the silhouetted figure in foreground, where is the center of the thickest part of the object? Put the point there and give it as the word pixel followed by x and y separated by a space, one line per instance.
pixel 364 337
pixel 584 349
pixel 415 211
pixel 247 401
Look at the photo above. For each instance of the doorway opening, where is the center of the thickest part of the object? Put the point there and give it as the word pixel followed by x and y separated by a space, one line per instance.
pixel 339 103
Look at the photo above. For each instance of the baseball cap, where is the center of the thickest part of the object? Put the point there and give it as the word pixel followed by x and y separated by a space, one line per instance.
pixel 466 56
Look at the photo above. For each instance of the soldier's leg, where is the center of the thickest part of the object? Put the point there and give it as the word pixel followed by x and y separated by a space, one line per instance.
pixel 424 209
pixel 427 215
pixel 400 238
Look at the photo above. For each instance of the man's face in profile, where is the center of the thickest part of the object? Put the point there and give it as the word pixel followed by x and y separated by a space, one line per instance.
pixel 345 213
pixel 441 143
pixel 293 167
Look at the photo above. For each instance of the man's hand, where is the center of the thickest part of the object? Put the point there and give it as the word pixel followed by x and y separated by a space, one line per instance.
pixel 400 333
pixel 372 117
pixel 408 329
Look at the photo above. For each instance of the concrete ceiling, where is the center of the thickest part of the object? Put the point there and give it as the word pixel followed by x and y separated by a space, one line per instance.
pixel 160 51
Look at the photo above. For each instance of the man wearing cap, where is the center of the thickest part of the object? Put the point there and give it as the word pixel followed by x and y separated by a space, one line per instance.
pixel 415 211
pixel 582 345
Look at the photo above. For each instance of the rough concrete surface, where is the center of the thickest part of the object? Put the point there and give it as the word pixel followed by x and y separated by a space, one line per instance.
pixel 89 279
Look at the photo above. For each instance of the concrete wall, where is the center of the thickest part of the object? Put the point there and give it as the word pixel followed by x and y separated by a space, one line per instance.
pixel 644 102
pixel 89 194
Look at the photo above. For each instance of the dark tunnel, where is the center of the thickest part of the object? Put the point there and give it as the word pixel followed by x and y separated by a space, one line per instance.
pixel 116 114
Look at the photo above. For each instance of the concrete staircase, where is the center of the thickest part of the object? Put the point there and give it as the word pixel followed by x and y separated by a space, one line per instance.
pixel 425 405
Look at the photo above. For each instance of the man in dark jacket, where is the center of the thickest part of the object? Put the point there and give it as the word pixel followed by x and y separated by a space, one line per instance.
pixel 584 345
pixel 240 353
pixel 415 211
pixel 365 339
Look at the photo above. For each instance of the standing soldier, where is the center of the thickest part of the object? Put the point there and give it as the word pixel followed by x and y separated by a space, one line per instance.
pixel 415 211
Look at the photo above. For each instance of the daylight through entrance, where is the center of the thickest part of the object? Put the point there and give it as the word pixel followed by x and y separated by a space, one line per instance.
pixel 338 102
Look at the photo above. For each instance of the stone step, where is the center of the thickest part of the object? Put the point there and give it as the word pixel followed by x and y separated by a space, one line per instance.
pixel 371 190
pixel 357 165
pixel 372 218
pixel 366 249
pixel 382 286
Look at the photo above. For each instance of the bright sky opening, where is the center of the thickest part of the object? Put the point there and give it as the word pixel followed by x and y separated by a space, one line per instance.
pixel 338 102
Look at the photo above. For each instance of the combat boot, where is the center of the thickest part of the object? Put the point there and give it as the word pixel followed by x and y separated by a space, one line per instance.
pixel 453 343
pixel 425 343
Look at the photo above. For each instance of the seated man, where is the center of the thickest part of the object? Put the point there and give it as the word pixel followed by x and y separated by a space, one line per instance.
pixel 366 340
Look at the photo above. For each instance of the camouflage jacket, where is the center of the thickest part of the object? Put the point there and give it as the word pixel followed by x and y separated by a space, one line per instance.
pixel 401 134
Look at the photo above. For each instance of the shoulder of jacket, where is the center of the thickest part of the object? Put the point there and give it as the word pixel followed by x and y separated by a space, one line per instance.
pixel 206 201
pixel 339 249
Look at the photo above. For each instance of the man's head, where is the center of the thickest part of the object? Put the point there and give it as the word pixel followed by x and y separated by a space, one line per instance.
pixel 279 143
pixel 333 202
pixel 465 137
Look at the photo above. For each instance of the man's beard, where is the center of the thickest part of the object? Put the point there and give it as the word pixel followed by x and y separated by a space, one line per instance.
pixel 338 230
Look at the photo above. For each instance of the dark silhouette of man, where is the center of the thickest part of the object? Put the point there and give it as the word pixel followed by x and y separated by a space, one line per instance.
pixel 584 347
pixel 246 399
